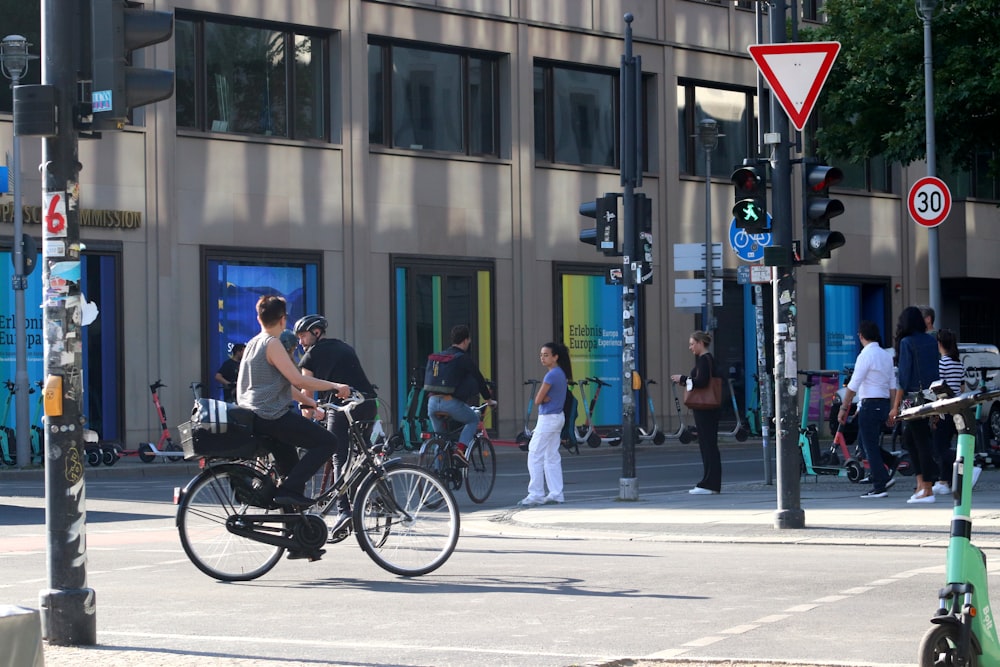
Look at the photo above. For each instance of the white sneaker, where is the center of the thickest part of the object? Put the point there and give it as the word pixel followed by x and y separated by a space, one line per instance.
pixel 337 524
pixel 554 500
pixel 701 491
pixel 921 498
pixel 941 489
pixel 531 502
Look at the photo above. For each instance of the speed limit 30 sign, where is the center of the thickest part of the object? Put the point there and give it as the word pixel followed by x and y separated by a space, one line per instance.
pixel 929 201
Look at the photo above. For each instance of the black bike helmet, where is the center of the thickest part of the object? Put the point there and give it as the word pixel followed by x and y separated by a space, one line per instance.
pixel 310 322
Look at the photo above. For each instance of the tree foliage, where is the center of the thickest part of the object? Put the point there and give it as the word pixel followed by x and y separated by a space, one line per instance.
pixel 873 101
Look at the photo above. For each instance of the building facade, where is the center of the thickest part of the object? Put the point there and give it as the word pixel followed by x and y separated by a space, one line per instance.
pixel 405 165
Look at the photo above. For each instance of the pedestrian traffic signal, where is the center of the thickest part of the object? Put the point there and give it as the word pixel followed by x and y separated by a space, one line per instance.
pixel 118 27
pixel 604 235
pixel 817 239
pixel 750 210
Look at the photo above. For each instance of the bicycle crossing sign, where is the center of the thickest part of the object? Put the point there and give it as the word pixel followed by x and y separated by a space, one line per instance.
pixel 749 247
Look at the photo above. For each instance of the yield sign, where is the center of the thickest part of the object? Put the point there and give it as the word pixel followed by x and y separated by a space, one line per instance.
pixel 796 72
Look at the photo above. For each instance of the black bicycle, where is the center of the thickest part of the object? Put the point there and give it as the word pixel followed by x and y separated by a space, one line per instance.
pixel 404 518
pixel 478 472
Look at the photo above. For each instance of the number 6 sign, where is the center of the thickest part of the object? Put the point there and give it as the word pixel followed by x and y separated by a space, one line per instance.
pixel 55 214
pixel 929 201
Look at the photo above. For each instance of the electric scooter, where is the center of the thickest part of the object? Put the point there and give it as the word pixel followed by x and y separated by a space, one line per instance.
pixel 809 437
pixel 653 434
pixel 963 629
pixel 587 433
pixel 165 447
pixel 524 437
pixel 684 433
pixel 740 431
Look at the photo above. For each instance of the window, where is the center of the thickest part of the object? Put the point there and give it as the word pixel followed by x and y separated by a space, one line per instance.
pixel 975 182
pixel 434 99
pixel 576 115
pixel 234 281
pixel 253 79
pixel 872 175
pixel 735 111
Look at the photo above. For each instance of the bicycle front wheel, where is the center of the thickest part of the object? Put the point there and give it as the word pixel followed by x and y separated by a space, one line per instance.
pixel 210 499
pixel 481 474
pixel 406 520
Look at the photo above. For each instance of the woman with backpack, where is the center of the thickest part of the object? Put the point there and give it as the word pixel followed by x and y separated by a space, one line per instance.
pixel 544 460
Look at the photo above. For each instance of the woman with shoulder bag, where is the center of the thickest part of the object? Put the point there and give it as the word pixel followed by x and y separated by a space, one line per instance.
pixel 706 419
pixel 917 357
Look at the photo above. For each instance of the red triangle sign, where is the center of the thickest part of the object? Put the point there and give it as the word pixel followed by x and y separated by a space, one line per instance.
pixel 796 72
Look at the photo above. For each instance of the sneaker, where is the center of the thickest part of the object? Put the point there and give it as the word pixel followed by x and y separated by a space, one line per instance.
pixel 292 499
pixel 941 489
pixel 875 494
pixel 531 502
pixel 891 483
pixel 337 524
pixel 976 471
pixel 459 457
pixel 920 497
pixel 554 500
pixel 702 491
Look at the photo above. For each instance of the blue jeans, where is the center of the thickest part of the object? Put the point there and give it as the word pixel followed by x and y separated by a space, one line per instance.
pixel 458 411
pixel 871 415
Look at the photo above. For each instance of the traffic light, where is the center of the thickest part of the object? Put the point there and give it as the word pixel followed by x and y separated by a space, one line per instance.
pixel 817 239
pixel 750 210
pixel 118 27
pixel 604 235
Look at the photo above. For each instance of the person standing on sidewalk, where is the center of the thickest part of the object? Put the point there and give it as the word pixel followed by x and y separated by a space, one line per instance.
pixel 917 356
pixel 873 382
pixel 951 370
pixel 706 421
pixel 544 460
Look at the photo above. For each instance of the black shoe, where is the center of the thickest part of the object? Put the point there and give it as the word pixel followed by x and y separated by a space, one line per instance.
pixel 306 555
pixel 292 499
pixel 459 458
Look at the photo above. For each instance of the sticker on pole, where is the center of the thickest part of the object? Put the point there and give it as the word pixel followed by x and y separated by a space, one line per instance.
pixel 929 201
pixel 55 214
pixel 796 72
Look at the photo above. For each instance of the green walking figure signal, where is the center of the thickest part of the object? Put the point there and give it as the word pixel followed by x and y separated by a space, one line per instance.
pixel 750 210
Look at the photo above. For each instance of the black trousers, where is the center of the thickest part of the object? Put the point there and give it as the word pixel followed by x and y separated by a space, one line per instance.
pixel 707 422
pixel 292 430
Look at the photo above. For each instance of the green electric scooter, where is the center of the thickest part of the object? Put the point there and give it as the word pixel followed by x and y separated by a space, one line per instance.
pixel 963 632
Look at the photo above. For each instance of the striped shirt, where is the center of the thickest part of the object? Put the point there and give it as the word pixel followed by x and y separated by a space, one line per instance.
pixel 260 386
pixel 952 372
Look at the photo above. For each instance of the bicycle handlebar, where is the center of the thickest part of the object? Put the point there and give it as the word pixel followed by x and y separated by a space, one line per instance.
pixel 354 400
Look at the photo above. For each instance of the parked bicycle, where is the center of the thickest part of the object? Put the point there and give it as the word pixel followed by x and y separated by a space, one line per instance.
pixel 404 518
pixel 478 472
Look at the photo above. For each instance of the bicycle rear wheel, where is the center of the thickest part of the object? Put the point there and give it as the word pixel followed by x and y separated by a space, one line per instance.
pixel 482 471
pixel 406 520
pixel 209 500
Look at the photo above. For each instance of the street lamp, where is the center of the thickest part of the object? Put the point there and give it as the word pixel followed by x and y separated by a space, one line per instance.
pixel 708 135
pixel 14 59
pixel 925 10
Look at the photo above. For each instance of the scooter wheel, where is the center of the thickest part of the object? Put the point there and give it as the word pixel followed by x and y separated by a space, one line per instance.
pixel 146 454
pixel 687 436
pixel 742 434
pixel 93 457
pixel 855 471
pixel 659 438
pixel 109 457
pixel 593 441
pixel 522 441
pixel 940 646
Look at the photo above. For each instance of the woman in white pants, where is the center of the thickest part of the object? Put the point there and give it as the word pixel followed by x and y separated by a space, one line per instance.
pixel 544 460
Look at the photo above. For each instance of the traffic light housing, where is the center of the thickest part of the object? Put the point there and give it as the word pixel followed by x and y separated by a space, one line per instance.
pixel 750 210
pixel 604 235
pixel 117 28
pixel 818 241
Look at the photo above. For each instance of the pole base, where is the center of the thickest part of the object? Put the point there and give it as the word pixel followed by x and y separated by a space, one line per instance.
pixel 789 519
pixel 628 488
pixel 69 617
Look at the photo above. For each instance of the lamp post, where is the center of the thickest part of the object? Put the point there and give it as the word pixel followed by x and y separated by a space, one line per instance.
pixel 708 135
pixel 14 59
pixel 925 10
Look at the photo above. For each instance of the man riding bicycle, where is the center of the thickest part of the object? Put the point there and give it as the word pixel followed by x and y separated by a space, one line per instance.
pixel 453 380
pixel 334 360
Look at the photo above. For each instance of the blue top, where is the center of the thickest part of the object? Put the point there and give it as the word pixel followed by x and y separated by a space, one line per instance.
pixel 918 362
pixel 556 380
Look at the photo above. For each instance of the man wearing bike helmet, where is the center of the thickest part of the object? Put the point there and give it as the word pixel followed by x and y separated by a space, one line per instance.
pixel 468 383
pixel 334 360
